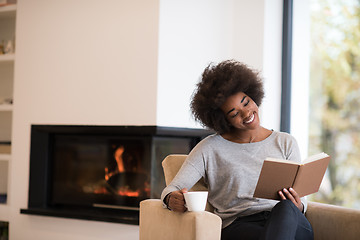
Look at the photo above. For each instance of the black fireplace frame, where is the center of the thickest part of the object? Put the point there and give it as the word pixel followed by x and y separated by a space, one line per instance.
pixel 40 168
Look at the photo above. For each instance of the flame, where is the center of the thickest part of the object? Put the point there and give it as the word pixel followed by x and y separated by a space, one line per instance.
pixel 101 190
pixel 129 193
pixel 119 159
pixel 124 190
pixel 119 162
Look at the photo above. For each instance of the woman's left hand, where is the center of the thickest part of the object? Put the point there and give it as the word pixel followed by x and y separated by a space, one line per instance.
pixel 292 195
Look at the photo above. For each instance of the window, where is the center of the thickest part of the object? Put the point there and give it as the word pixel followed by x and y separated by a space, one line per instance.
pixel 325 108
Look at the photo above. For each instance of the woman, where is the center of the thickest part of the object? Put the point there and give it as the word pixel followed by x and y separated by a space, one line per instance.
pixel 227 100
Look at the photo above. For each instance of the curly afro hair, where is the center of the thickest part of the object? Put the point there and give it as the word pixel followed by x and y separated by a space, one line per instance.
pixel 219 82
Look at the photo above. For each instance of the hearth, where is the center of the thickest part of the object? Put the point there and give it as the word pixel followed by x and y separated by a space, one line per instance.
pixel 100 172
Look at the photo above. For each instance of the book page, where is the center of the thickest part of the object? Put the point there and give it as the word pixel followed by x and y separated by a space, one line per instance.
pixel 310 176
pixel 315 157
pixel 282 161
pixel 275 176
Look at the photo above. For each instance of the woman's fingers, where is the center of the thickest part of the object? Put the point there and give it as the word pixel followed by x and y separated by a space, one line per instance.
pixel 282 196
pixel 177 201
pixel 289 195
pixel 297 199
pixel 293 196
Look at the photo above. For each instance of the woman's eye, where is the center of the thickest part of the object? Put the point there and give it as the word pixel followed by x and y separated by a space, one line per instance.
pixel 247 103
pixel 235 115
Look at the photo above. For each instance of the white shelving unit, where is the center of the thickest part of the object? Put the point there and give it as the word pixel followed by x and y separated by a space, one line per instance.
pixel 7 61
pixel 5 160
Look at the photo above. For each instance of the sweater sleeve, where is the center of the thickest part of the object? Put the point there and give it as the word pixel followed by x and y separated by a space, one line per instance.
pixel 190 173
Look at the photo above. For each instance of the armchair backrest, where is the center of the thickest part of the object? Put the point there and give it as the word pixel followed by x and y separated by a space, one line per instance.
pixel 172 164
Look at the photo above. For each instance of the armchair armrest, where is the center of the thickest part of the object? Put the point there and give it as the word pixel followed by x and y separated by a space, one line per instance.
pixel 333 222
pixel 157 223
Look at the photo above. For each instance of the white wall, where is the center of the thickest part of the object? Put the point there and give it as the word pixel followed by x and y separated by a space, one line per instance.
pixel 79 62
pixel 271 106
pixel 117 63
pixel 192 34
pixel 195 33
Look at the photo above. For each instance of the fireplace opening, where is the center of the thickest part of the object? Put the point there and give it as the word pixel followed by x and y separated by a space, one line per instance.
pixel 100 172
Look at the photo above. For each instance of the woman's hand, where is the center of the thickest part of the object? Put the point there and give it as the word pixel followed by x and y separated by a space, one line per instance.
pixel 292 195
pixel 176 201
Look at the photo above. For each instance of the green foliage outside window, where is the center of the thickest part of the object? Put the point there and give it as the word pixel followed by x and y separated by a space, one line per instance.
pixel 335 98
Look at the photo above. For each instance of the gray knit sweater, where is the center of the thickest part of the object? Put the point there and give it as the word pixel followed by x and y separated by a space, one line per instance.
pixel 231 171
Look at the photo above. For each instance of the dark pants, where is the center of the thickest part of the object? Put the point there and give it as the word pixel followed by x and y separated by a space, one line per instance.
pixel 284 222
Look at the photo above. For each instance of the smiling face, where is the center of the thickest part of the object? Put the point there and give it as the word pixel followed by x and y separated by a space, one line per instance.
pixel 241 112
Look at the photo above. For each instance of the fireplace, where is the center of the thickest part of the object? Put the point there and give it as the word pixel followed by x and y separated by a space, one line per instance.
pixel 100 172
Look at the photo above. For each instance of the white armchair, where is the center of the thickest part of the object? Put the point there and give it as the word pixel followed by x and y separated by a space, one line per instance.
pixel 157 223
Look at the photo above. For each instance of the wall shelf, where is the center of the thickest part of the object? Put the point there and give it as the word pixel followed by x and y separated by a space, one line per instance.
pixel 4 212
pixel 5 157
pixel 7 57
pixel 8 11
pixel 6 107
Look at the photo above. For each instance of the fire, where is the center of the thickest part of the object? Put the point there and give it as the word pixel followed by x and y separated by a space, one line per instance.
pixel 119 159
pixel 119 162
pixel 125 191
pixel 129 193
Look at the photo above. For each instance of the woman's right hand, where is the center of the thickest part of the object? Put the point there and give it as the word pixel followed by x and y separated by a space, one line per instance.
pixel 176 201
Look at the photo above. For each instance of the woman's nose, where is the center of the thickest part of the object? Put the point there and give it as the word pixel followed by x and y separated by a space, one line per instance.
pixel 245 113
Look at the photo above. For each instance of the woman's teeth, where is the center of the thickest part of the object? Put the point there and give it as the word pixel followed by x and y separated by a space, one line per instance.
pixel 250 120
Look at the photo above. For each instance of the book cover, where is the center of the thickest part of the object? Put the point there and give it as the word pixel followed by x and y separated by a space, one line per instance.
pixel 304 177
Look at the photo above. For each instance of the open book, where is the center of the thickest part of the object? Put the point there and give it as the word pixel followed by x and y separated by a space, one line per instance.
pixel 304 177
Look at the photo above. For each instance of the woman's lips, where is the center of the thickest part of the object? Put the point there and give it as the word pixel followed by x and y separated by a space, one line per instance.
pixel 250 119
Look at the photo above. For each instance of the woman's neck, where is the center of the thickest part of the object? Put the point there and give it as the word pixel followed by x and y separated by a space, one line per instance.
pixel 248 136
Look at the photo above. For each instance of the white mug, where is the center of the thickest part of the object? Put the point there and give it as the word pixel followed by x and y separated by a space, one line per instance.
pixel 196 201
